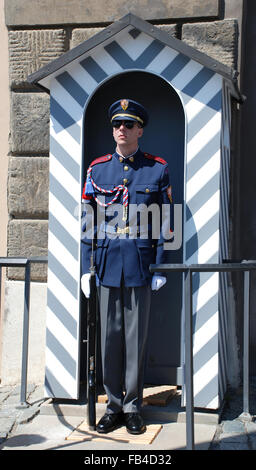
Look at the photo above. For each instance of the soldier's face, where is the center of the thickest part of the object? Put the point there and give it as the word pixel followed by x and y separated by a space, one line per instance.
pixel 129 137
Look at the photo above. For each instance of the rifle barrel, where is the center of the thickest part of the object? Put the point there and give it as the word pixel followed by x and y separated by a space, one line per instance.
pixel 91 353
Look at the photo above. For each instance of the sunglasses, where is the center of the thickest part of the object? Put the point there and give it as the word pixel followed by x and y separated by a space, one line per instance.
pixel 128 124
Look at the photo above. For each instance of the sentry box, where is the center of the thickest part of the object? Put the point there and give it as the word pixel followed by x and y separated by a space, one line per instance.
pixel 188 96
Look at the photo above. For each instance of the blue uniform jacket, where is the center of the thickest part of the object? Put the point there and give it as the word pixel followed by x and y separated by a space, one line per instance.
pixel 147 180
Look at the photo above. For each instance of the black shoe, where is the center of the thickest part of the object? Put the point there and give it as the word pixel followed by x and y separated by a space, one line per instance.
pixel 109 422
pixel 134 423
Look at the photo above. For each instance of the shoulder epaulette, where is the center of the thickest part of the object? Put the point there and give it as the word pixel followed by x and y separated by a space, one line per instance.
pixel 88 190
pixel 157 159
pixel 105 158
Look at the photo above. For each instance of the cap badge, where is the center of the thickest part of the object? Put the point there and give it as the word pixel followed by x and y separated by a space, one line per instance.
pixel 124 104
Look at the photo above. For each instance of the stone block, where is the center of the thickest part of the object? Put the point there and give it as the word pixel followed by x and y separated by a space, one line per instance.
pixel 30 50
pixel 80 35
pixel 28 238
pixel 28 187
pixel 171 29
pixel 6 425
pixel 234 445
pixel 234 426
pixel 56 12
pixel 29 123
pixel 251 432
pixel 218 39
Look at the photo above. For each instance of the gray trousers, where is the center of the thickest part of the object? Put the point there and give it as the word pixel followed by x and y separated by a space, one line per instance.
pixel 124 314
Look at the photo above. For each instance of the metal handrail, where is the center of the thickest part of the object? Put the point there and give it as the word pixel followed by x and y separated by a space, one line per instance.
pixel 246 266
pixel 21 262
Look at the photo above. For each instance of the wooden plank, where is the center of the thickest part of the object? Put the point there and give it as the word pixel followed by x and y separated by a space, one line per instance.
pixel 83 433
pixel 158 396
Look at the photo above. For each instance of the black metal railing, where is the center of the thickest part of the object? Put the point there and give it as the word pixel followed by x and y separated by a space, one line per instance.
pixel 244 266
pixel 12 262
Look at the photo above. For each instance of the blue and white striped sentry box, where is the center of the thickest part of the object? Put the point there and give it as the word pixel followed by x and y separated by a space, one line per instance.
pixel 204 87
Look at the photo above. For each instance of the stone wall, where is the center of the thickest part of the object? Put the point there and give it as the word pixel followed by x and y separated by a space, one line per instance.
pixel 38 35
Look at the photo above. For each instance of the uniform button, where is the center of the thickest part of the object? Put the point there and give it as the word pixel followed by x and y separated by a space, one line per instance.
pixel 126 168
pixel 125 180
pixel 131 159
pixel 147 190
pixel 120 159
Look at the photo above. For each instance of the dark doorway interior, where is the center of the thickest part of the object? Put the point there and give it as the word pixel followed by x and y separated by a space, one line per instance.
pixel 164 136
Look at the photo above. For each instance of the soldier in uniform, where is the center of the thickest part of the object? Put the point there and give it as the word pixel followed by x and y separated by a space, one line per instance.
pixel 122 259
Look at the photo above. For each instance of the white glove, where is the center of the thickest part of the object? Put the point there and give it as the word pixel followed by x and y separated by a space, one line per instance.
pixel 157 281
pixel 85 284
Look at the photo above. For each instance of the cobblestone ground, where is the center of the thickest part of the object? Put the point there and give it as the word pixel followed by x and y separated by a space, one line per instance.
pixel 236 431
pixel 11 413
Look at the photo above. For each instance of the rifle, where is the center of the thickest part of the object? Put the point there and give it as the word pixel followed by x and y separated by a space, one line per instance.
pixel 91 349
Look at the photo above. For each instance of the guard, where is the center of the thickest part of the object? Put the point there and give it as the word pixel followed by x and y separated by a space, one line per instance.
pixel 129 178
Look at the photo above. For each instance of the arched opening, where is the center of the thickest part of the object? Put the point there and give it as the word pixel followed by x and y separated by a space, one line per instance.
pixel 164 136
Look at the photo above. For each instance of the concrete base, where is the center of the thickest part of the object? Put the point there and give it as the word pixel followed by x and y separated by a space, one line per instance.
pixel 172 412
pixel 12 333
pixel 49 432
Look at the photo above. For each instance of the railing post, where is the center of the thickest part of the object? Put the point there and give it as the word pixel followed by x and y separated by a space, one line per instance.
pixel 188 270
pixel 189 361
pixel 24 367
pixel 246 414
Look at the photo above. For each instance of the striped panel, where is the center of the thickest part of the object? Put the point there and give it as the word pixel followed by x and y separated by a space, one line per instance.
pixel 200 92
pixel 224 239
pixel 68 98
pixel 202 103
